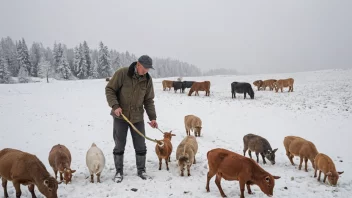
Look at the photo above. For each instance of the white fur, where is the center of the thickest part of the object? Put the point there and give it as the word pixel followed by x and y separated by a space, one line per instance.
pixel 95 160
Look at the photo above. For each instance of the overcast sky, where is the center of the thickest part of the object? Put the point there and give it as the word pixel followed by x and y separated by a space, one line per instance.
pixel 249 36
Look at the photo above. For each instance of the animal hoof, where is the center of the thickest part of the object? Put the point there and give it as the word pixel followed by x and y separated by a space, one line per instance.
pixel 159 168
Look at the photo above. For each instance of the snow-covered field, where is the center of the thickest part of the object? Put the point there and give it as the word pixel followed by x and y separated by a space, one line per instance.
pixel 36 116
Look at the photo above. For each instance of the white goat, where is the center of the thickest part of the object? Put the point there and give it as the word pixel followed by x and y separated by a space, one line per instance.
pixel 95 161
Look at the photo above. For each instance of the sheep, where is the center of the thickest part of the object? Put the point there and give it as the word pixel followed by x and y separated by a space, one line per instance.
pixel 26 169
pixel 297 146
pixel 258 145
pixel 60 160
pixel 324 164
pixel 186 152
pixel 163 149
pixel 194 123
pixel 95 161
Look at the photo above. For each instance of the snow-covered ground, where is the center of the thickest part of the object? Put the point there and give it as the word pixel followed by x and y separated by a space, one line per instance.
pixel 36 116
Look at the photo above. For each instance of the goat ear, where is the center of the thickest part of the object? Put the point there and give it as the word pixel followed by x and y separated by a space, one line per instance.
pixel 274 150
pixel 173 134
pixel 72 171
pixel 59 182
pixel 276 177
pixel 340 172
pixel 46 182
pixel 328 173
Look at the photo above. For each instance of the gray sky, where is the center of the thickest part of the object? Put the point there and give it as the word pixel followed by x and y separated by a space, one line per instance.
pixel 249 36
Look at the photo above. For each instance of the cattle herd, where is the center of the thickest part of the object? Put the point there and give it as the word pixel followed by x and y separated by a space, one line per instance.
pixel 26 169
pixel 236 87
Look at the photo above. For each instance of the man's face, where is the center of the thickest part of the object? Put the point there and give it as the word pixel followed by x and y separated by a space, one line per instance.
pixel 141 70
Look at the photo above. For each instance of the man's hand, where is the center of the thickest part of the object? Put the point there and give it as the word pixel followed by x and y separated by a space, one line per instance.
pixel 153 124
pixel 118 111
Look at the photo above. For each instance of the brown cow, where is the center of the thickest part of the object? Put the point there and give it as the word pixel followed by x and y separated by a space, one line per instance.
pixel 258 83
pixel 280 84
pixel 167 84
pixel 269 83
pixel 232 166
pixel 200 86
pixel 26 169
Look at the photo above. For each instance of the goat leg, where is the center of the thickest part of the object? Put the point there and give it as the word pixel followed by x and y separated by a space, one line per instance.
pixel 319 175
pixel 250 153
pixel 262 154
pixel 160 163
pixel 305 161
pixel 31 189
pixel 300 163
pixel 17 186
pixel 188 170
pixel 249 189
pixel 257 154
pixel 218 184
pixel 4 185
pixel 55 171
pixel 98 177
pixel 92 178
pixel 167 163
pixel 61 178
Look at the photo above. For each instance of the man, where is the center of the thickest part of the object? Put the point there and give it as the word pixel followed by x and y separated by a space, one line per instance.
pixel 127 92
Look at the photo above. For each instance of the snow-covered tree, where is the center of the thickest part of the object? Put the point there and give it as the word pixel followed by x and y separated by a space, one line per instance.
pixel 4 71
pixel 104 68
pixel 94 67
pixel 10 54
pixel 44 69
pixel 87 58
pixel 35 56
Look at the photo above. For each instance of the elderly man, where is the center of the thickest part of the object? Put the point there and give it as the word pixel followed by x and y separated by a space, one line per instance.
pixel 128 91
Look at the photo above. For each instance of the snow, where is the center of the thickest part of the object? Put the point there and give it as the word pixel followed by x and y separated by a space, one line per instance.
pixel 36 116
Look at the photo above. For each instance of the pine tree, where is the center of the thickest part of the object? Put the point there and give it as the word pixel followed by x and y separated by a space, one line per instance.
pixel 77 63
pixel 65 68
pixel 88 59
pixel 25 56
pixel 35 56
pixel 10 54
pixel 104 68
pixel 95 73
pixel 4 71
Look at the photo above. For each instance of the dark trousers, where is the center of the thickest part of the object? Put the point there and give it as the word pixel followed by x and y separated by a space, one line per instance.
pixel 120 136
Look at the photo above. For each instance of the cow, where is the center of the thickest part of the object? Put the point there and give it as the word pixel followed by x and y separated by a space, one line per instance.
pixel 232 166
pixel 280 84
pixel 187 84
pixel 258 83
pixel 178 85
pixel 200 86
pixel 167 84
pixel 242 87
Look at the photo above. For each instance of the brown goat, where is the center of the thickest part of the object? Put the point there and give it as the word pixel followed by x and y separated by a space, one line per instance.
pixel 258 83
pixel 167 84
pixel 200 86
pixel 297 146
pixel 164 151
pixel 232 166
pixel 269 83
pixel 60 160
pixel 186 154
pixel 280 84
pixel 26 169
pixel 194 123
pixel 324 164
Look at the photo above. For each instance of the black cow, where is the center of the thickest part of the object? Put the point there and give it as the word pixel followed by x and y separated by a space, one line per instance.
pixel 242 87
pixel 178 85
pixel 187 84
